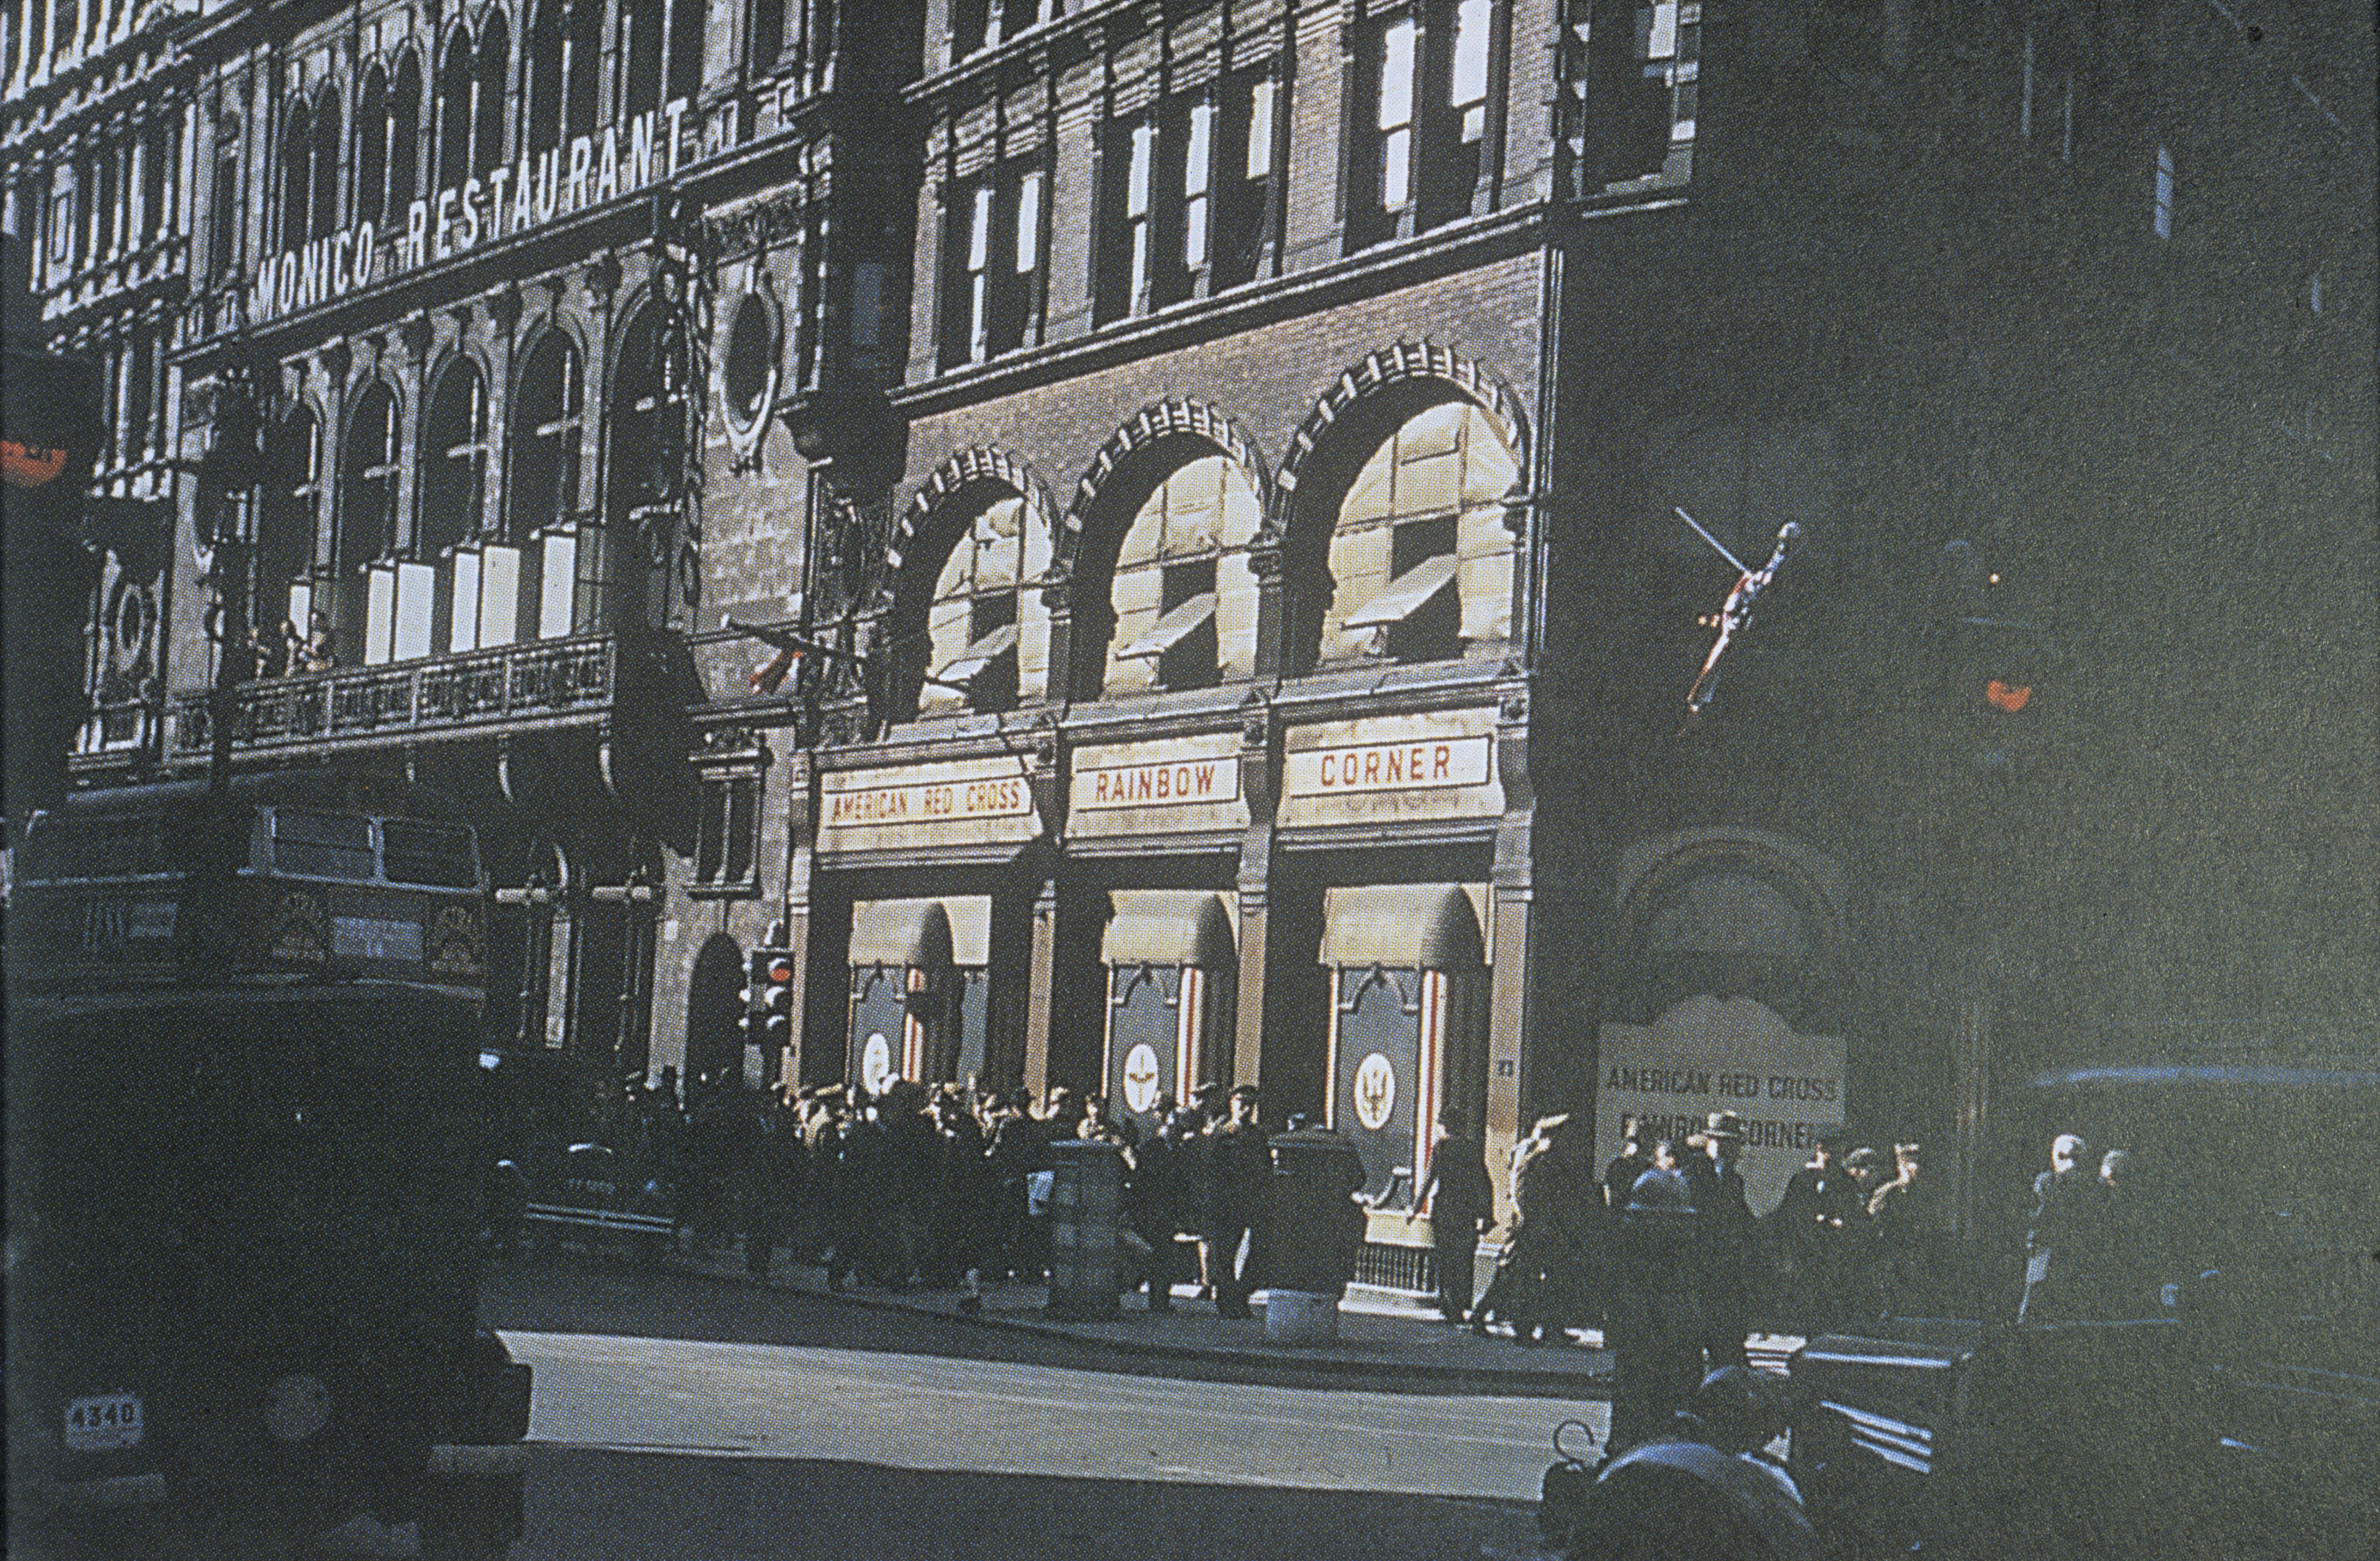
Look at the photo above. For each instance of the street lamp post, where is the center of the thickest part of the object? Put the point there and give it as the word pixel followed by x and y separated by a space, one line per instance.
pixel 224 533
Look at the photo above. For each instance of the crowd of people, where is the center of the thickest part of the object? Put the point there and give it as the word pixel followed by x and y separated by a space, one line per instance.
pixel 1847 1240
pixel 947 1186
pixel 2087 1244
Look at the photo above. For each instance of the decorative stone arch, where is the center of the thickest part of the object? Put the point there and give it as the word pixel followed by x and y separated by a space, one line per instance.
pixel 563 317
pixel 1160 440
pixel 925 527
pixel 948 499
pixel 1369 401
pixel 1738 911
pixel 1116 474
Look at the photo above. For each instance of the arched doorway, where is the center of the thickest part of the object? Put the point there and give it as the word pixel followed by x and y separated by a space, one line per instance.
pixel 714 1043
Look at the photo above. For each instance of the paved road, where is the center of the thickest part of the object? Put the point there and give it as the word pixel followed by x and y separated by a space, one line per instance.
pixel 662 1430
pixel 923 1412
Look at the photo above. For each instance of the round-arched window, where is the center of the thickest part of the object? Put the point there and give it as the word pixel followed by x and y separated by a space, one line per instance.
pixel 748 376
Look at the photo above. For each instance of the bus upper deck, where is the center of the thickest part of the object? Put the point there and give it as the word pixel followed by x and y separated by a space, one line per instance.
pixel 324 875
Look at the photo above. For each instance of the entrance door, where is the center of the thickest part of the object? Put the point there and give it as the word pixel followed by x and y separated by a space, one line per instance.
pixel 1376 1073
pixel 879 1021
pixel 1146 1011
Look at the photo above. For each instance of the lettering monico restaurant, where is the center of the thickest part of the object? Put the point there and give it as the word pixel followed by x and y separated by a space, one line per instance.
pixel 1132 545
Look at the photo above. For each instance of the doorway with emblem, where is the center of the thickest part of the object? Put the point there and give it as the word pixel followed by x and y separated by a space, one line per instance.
pixel 1408 1040
pixel 1171 967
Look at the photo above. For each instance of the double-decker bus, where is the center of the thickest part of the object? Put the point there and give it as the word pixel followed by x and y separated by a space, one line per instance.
pixel 245 1173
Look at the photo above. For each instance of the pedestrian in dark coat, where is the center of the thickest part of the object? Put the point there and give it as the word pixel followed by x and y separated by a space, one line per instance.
pixel 772 1184
pixel 1898 1228
pixel 1461 1202
pixel 1017 1147
pixel 1818 1222
pixel 1242 1156
pixel 1726 1274
pixel 1516 1290
pixel 1155 1192
pixel 2068 1199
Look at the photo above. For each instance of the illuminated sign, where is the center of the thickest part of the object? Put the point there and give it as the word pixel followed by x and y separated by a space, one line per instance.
pixel 505 202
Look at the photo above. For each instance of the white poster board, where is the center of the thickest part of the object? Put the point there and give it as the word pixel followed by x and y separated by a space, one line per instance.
pixel 1710 1053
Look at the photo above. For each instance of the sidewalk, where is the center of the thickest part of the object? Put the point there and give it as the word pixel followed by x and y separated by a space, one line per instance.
pixel 1384 1335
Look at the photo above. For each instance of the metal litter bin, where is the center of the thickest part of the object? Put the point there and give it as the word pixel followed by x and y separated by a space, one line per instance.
pixel 1318 1229
pixel 1085 1219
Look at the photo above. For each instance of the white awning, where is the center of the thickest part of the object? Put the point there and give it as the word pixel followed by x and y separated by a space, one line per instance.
pixel 1170 927
pixel 1172 628
pixel 982 653
pixel 1406 594
pixel 901 933
pixel 1430 926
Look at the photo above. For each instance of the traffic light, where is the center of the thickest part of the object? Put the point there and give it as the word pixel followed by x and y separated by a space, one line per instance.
pixel 769 999
pixel 1996 669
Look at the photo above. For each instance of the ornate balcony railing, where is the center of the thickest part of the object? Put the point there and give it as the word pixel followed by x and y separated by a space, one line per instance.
pixel 532 684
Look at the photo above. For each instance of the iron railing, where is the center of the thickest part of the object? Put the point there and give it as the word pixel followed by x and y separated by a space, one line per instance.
pixel 510 684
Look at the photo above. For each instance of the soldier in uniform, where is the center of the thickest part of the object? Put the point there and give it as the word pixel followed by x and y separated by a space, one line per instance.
pixel 1819 1219
pixel 1725 1272
pixel 2067 1201
pixel 1462 1203
pixel 1241 1154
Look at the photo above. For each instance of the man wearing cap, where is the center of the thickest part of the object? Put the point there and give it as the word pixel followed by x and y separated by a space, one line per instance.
pixel 1724 1270
pixel 1241 1154
pixel 1818 1215
pixel 1461 1202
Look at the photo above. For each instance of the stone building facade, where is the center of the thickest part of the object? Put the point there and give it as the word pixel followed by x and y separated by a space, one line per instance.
pixel 1226 469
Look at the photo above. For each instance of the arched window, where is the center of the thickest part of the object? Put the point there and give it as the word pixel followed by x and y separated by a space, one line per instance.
pixel 327 138
pixel 1420 559
pixel 586 64
pixel 455 79
pixel 285 543
pixel 545 440
pixel 296 173
pixel 686 19
pixel 547 60
pixel 640 55
pixel 454 459
pixel 368 481
pixel 987 628
pixel 488 93
pixel 404 134
pixel 768 39
pixel 1184 596
pixel 645 484
pixel 371 148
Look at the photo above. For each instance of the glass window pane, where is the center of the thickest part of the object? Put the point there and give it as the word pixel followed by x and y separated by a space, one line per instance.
pixel 1028 223
pixel 1470 84
pixel 1395 168
pixel 1397 75
pixel 1193 162
pixel 1260 131
pixel 980 230
pixel 1144 151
